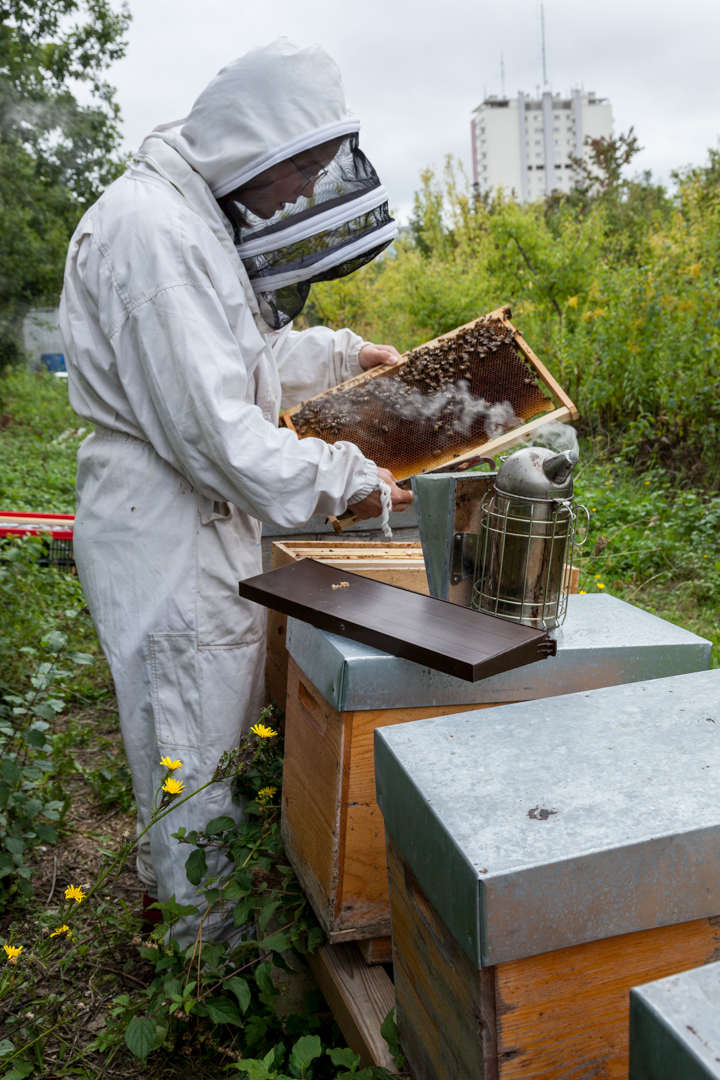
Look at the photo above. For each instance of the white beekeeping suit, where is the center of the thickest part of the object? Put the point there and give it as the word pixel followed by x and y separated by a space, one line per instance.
pixel 169 356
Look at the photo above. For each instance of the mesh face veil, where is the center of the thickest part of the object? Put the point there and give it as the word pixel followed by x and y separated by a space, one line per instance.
pixel 338 222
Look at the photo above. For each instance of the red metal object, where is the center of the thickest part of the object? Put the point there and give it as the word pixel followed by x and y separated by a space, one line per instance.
pixel 53 526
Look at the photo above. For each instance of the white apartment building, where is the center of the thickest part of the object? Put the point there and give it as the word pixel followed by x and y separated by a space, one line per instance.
pixel 524 144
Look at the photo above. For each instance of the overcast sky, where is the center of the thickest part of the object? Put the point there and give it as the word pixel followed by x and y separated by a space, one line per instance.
pixel 414 70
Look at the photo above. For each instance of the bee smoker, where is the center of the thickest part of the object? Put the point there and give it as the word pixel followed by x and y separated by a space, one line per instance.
pixel 502 542
pixel 526 539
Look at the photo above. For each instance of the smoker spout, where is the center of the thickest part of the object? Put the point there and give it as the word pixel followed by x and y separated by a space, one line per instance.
pixel 558 468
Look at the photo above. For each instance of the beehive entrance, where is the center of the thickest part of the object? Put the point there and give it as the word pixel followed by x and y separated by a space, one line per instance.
pixel 446 399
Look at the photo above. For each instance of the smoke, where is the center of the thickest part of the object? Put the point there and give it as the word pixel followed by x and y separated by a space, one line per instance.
pixel 455 410
pixel 558 437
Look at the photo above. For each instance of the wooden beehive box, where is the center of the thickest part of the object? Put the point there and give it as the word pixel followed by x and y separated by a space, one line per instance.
pixel 340 691
pixel 544 858
pixel 394 563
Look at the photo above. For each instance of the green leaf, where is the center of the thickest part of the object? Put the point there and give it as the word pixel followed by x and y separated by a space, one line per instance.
pixel 262 978
pixel 7 865
pixel 140 1036
pixel 10 772
pixel 266 913
pixel 33 807
pixel 389 1032
pixel 6 1047
pixel 223 1011
pixel 276 942
pixel 346 1057
pixel 196 866
pixel 46 832
pixel 219 825
pixel 81 658
pixel 56 640
pixel 14 844
pixel 256 1069
pixel 241 990
pixel 304 1053
pixel 232 890
pixel 37 739
pixel 19 1071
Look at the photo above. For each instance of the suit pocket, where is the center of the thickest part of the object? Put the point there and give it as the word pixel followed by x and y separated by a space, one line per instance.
pixel 176 693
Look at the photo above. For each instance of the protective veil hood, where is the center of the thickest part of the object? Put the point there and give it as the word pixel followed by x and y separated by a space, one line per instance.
pixel 262 109
pixel 272 102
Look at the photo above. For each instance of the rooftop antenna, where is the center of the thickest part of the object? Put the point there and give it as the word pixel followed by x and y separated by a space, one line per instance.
pixel 542 42
pixel 502 76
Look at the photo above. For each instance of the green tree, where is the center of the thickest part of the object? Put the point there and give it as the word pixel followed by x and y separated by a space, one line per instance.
pixel 56 154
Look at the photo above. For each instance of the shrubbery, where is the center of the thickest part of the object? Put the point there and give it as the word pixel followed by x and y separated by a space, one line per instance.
pixel 615 286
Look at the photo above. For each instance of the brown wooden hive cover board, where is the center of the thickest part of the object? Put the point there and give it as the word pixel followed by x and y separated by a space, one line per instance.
pixel 457 640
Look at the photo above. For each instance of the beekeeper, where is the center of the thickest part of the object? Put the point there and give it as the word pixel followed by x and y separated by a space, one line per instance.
pixel 181 285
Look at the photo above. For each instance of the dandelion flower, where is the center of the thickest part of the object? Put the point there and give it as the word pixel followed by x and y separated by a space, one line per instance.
pixel 74 892
pixel 62 930
pixel 647 481
pixel 600 585
pixel 598 576
pixel 12 952
pixel 170 764
pixel 265 794
pixel 173 787
pixel 262 731
pixel 583 592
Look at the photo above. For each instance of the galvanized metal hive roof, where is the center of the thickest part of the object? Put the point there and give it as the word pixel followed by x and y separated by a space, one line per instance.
pixel 537 826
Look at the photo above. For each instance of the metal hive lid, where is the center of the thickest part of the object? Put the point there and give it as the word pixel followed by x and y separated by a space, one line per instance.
pixel 603 642
pixel 630 839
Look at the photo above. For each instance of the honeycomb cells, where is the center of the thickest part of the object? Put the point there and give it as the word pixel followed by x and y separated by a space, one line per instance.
pixel 450 397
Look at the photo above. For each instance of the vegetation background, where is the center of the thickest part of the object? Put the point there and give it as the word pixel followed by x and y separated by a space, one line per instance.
pixel 615 286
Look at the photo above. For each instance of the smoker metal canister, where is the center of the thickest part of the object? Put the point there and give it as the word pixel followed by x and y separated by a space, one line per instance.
pixel 526 539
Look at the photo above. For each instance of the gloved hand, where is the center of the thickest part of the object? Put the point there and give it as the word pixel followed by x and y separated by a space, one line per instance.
pixel 371 506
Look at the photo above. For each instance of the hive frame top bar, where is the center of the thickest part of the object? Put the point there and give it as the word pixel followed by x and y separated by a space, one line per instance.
pixel 564 412
pixel 546 824
pixel 460 641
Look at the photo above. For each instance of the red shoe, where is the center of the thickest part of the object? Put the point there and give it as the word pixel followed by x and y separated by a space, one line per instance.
pixel 152 916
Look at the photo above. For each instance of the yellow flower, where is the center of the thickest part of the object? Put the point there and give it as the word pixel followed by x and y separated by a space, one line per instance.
pixel 12 952
pixel 598 576
pixel 582 592
pixel 265 794
pixel 74 892
pixel 647 482
pixel 169 764
pixel 62 930
pixel 600 585
pixel 572 301
pixel 263 732
pixel 173 787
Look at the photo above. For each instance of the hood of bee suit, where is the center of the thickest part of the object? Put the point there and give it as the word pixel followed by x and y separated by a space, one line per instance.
pixel 264 108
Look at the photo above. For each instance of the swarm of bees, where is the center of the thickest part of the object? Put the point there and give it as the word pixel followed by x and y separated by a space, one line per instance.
pixel 426 407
